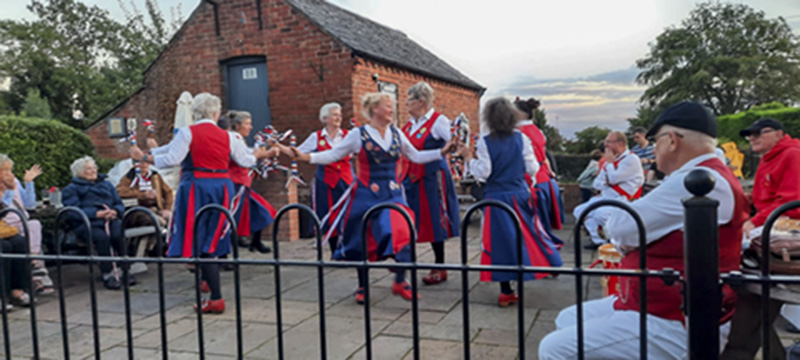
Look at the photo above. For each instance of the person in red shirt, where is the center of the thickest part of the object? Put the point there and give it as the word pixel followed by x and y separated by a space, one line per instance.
pixel 778 175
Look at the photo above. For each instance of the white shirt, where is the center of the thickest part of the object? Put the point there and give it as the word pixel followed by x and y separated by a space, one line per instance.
pixel 661 210
pixel 351 144
pixel 481 167
pixel 440 129
pixel 173 153
pixel 522 123
pixel 310 145
pixel 628 174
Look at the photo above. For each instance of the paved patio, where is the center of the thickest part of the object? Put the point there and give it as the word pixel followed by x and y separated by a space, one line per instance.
pixel 493 329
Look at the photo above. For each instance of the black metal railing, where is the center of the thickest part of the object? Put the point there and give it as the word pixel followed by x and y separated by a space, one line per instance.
pixel 699 212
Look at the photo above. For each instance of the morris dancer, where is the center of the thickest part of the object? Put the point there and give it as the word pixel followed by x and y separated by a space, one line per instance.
pixel 429 187
pixel 505 181
pixel 252 212
pixel 332 180
pixel 204 152
pixel 379 146
pixel 620 178
pixel 549 204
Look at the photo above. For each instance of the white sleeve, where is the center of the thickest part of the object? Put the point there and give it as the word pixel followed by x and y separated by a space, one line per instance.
pixel 159 150
pixel 531 165
pixel 350 144
pixel 441 128
pixel 240 153
pixel 309 145
pixel 173 153
pixel 626 170
pixel 599 182
pixel 481 167
pixel 411 153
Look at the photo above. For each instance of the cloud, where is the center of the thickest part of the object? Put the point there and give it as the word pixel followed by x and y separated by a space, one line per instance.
pixel 571 104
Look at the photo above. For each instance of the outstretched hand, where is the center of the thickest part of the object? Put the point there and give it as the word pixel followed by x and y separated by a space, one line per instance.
pixel 136 153
pixel 297 154
pixel 32 173
pixel 451 145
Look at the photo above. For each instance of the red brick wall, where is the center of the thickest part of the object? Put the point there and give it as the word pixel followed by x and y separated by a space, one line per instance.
pixel 450 100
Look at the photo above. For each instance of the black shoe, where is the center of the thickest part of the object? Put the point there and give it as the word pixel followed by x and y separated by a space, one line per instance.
pixel 243 242
pixel 131 280
pixel 591 246
pixel 227 267
pixel 111 283
pixel 258 245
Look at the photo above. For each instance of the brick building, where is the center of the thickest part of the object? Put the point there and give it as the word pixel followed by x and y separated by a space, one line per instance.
pixel 281 60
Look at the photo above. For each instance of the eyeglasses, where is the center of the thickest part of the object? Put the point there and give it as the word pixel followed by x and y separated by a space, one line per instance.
pixel 762 132
pixel 654 139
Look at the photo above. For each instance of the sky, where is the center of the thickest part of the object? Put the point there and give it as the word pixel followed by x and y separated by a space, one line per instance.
pixel 577 56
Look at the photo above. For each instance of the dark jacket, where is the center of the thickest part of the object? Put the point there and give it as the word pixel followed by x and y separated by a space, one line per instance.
pixel 91 196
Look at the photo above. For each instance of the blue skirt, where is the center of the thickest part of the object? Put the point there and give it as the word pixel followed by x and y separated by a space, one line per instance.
pixel 213 232
pixel 435 203
pixel 550 208
pixel 251 211
pixel 499 239
pixel 388 234
pixel 324 199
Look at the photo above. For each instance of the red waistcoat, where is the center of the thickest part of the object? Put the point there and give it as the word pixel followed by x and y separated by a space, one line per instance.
pixel 407 168
pixel 210 151
pixel 239 175
pixel 339 170
pixel 665 301
pixel 539 143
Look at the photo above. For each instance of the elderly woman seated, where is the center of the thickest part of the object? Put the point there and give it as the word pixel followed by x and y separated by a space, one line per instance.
pixel 14 271
pixel 99 200
pixel 151 191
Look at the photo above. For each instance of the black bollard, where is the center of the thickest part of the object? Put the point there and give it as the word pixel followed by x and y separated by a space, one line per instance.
pixel 703 295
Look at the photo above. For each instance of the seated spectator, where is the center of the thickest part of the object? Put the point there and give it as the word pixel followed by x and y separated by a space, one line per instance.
pixel 685 137
pixel 98 199
pixel 17 197
pixel 14 271
pixel 620 178
pixel 586 178
pixel 152 192
pixel 643 149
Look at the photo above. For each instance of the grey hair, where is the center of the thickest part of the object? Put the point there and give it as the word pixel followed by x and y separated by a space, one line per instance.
pixel 695 138
pixel 205 105
pixel 5 159
pixel 326 109
pixel 423 91
pixel 78 165
pixel 237 118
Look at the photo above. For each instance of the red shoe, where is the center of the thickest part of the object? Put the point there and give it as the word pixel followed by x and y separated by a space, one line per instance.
pixel 212 306
pixel 360 296
pixel 434 277
pixel 204 287
pixel 403 289
pixel 507 299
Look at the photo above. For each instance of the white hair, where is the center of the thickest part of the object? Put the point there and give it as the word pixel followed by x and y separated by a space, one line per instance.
pixel 78 165
pixel 237 118
pixel 695 138
pixel 422 91
pixel 326 109
pixel 5 159
pixel 205 105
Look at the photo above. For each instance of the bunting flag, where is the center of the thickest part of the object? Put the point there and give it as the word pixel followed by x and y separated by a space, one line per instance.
pixel 295 175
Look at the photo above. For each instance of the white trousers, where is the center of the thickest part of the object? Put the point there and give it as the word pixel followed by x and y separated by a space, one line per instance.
pixel 596 217
pixel 613 334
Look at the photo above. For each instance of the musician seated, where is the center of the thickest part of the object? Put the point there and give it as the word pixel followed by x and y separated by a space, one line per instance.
pixel 151 191
pixel 620 178
pixel 685 134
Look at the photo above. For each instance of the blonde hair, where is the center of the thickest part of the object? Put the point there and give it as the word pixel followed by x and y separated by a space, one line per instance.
pixel 422 91
pixel 370 100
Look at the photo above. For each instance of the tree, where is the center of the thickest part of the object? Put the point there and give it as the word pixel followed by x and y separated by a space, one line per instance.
pixel 588 139
pixel 645 117
pixel 729 56
pixel 35 106
pixel 77 57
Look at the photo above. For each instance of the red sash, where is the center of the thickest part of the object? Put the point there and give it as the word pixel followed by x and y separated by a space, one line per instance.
pixel 622 191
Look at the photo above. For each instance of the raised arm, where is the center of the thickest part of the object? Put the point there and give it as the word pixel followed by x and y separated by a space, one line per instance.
pixel 350 144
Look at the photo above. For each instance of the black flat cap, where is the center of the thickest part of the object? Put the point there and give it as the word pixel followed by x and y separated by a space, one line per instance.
pixel 760 124
pixel 687 115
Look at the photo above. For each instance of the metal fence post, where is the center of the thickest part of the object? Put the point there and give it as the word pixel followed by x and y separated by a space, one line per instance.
pixel 701 258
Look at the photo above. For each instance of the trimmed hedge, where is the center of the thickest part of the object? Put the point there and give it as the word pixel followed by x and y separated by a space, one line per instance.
pixel 49 143
pixel 730 125
pixel 570 166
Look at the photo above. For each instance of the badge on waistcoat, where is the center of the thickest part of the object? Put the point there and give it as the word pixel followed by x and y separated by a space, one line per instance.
pixel 368 146
pixel 374 187
pixel 322 142
pixel 422 131
pixel 393 185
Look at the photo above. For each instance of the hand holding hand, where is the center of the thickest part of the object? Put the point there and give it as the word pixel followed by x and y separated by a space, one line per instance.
pixel 747 228
pixel 150 194
pixel 451 145
pixel 298 155
pixel 32 173
pixel 260 153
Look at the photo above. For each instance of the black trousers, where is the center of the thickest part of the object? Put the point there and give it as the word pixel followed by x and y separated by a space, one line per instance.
pixel 103 242
pixel 14 271
pixel 745 337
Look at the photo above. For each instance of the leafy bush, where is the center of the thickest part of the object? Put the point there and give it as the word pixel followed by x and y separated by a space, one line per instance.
pixel 730 125
pixel 570 166
pixel 48 143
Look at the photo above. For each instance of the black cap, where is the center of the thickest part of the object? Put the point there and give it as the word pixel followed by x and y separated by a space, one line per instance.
pixel 760 124
pixel 687 115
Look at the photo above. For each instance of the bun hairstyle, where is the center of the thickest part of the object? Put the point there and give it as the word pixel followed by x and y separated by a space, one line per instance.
pixel 237 118
pixel 527 107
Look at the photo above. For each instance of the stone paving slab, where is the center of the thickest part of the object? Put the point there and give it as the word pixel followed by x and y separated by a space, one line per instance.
pixel 387 348
pixel 447 350
pixel 220 338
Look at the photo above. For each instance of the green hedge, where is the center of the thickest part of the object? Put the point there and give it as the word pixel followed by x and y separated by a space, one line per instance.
pixel 730 125
pixel 570 166
pixel 48 143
